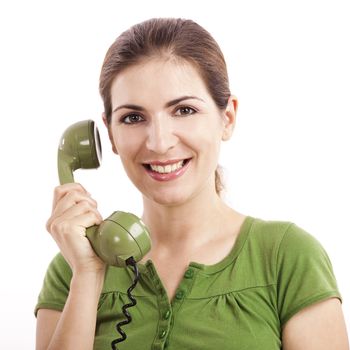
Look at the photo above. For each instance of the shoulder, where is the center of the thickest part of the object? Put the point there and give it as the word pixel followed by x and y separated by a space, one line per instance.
pixel 283 237
pixel 283 248
pixel 299 245
pixel 267 235
pixel 286 243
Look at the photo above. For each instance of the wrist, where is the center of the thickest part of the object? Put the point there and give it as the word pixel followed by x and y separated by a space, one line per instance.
pixel 87 280
pixel 89 269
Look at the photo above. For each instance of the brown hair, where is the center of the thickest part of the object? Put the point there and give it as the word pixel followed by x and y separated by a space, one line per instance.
pixel 173 38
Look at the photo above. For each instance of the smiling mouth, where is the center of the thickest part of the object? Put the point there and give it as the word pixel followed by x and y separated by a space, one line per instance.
pixel 167 169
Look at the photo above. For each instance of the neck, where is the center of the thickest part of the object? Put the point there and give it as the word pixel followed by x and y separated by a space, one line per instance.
pixel 192 222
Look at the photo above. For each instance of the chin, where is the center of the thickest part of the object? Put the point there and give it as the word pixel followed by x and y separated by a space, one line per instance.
pixel 168 198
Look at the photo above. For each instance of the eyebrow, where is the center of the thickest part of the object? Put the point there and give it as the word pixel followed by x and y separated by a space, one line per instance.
pixel 167 105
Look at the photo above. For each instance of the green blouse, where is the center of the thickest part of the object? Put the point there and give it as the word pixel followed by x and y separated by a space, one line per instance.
pixel 274 270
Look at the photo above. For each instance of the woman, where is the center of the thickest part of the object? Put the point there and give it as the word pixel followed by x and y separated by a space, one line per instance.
pixel 214 278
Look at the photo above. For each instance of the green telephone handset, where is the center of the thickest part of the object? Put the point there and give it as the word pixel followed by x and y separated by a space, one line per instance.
pixel 122 235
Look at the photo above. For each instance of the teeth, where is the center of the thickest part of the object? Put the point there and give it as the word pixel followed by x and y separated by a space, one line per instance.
pixel 168 168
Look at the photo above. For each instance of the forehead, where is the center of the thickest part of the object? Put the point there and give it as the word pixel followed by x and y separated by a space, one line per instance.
pixel 160 79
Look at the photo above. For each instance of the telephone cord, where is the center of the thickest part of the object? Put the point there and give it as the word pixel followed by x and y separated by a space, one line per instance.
pixel 130 262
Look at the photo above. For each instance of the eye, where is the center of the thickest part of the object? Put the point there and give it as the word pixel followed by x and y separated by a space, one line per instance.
pixel 184 110
pixel 131 119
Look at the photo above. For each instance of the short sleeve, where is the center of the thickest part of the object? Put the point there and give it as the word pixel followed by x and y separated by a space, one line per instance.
pixel 304 273
pixel 55 289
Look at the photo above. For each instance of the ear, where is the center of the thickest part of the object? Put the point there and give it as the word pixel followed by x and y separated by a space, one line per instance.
pixel 230 117
pixel 104 118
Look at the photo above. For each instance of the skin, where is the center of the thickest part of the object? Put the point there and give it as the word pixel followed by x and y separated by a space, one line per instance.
pixel 318 327
pixel 196 221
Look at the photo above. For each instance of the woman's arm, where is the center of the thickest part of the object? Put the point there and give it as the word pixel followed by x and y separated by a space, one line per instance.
pixel 74 327
pixel 318 327
pixel 73 210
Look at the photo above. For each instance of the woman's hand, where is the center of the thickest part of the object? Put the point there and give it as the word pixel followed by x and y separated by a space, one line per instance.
pixel 74 210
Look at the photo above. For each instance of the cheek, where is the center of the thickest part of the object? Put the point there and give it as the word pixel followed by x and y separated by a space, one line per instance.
pixel 127 143
pixel 207 136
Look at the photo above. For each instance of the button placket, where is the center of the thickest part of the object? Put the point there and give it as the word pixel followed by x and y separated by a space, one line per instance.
pixel 164 308
pixel 164 319
pixel 164 325
pixel 167 308
pixel 184 288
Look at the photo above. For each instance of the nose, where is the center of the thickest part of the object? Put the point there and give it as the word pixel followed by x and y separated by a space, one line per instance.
pixel 160 136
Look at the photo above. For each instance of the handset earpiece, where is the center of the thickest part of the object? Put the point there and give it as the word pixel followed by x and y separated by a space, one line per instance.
pixel 79 148
pixel 122 235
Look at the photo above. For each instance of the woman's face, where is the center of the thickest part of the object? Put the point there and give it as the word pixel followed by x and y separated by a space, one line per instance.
pixel 167 130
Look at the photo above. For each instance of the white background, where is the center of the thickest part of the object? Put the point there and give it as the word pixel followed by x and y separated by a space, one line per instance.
pixel 288 158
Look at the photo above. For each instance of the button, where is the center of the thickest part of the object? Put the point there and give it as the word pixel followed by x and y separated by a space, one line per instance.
pixel 189 273
pixel 167 314
pixel 179 295
pixel 162 334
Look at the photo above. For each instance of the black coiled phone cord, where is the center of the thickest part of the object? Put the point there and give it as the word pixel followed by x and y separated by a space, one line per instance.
pixel 130 262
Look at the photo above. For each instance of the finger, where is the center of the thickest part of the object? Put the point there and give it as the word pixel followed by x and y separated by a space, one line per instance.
pixel 62 190
pixel 81 208
pixel 62 225
pixel 71 199
pixel 71 212
pixel 87 220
